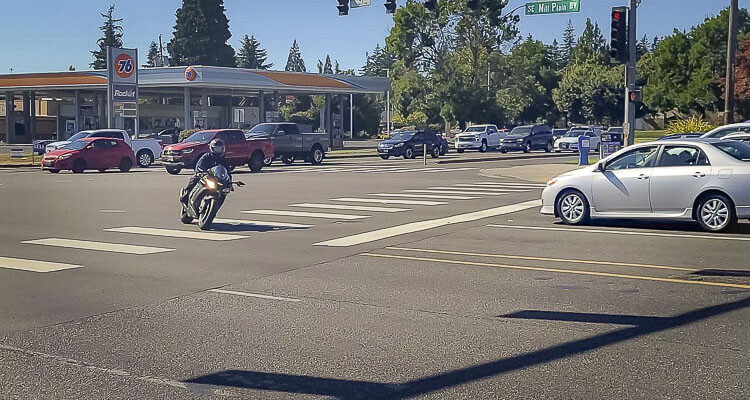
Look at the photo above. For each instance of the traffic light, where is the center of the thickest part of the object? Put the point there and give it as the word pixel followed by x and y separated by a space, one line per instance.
pixel 430 5
pixel 390 6
pixel 343 7
pixel 472 4
pixel 619 49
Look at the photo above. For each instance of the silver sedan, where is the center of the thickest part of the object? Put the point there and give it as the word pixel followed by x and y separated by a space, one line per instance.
pixel 705 180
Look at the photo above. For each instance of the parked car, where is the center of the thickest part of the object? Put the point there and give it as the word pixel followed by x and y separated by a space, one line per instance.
pixel 616 133
pixel 743 137
pixel 239 151
pixel 410 144
pixel 146 150
pixel 290 144
pixel 527 138
pixel 569 142
pixel 681 136
pixel 444 145
pixel 90 153
pixel 681 179
pixel 720 132
pixel 40 146
pixel 478 137
pixel 557 133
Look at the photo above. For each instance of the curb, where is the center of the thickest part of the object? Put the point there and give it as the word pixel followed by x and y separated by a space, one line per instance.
pixel 503 158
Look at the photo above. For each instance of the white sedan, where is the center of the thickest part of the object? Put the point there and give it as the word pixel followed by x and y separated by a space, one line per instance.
pixel 705 180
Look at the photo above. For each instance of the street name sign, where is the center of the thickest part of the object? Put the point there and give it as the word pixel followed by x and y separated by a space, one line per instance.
pixel 553 7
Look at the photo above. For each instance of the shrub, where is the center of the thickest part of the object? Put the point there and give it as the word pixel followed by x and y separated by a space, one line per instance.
pixel 690 125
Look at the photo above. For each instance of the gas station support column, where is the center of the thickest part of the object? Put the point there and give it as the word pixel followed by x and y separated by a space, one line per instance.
pixel 32 120
pixel 188 123
pixel 10 122
pixel 262 105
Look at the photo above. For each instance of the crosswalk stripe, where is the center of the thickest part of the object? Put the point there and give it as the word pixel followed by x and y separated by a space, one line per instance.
pixel 34 265
pixel 391 171
pixel 450 169
pixel 426 196
pixel 495 189
pixel 348 207
pixel 174 233
pixel 98 246
pixel 261 223
pixel 509 184
pixel 390 201
pixel 486 191
pixel 284 213
pixel 456 192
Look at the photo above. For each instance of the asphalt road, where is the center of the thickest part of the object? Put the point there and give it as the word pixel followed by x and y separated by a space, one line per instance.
pixel 358 279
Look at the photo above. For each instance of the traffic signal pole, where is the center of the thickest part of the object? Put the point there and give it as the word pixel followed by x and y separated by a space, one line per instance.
pixel 630 75
pixel 731 51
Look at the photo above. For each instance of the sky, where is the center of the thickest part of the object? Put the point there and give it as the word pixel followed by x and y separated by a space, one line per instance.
pixel 50 35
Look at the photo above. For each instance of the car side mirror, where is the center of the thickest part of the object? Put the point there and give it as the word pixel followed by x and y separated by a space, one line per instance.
pixel 601 167
pixel 91 146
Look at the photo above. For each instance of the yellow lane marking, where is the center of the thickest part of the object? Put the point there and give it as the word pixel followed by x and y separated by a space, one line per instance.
pixel 617 264
pixel 564 271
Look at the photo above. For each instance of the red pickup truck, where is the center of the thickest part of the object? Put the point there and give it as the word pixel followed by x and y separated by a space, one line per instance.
pixel 239 151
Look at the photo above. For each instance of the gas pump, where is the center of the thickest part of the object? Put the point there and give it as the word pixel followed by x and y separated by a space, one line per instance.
pixel 584 147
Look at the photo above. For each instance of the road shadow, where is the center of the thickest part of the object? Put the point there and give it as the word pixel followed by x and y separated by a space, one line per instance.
pixel 355 389
pixel 643 225
pixel 228 227
pixel 722 272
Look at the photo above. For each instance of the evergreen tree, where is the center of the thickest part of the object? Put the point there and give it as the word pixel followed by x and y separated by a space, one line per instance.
pixel 251 55
pixel 294 62
pixel 328 67
pixel 201 32
pixel 153 53
pixel 569 42
pixel 112 37
pixel 556 54
pixel 71 68
pixel 378 63
pixel 643 46
pixel 591 45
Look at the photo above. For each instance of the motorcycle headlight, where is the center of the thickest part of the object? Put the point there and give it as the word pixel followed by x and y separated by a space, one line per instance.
pixel 399 145
pixel 187 151
pixel 210 183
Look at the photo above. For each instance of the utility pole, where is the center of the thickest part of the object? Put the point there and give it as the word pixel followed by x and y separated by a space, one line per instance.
pixel 161 53
pixel 731 52
pixel 630 74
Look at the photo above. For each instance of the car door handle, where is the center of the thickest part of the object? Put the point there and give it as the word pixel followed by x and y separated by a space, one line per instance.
pixel 642 177
pixel 699 174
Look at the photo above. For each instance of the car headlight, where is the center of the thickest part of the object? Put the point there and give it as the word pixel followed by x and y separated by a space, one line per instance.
pixel 551 182
pixel 399 145
pixel 187 151
pixel 64 156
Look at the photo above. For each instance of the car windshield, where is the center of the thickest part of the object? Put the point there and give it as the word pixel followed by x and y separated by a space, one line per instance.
pixel 736 149
pixel 261 130
pixel 575 133
pixel 200 137
pixel 475 129
pixel 403 136
pixel 77 145
pixel 521 130
pixel 79 135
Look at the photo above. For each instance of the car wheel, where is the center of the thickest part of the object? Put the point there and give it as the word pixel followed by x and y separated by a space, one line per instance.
pixel 268 161
pixel 256 162
pixel 716 213
pixel 125 164
pixel 435 152
pixel 54 171
pixel 504 150
pixel 459 150
pixel 316 155
pixel 548 149
pixel 483 148
pixel 287 160
pixel 572 208
pixel 408 153
pixel 79 166
pixel 443 150
pixel 527 147
pixel 385 157
pixel 174 170
pixel 145 158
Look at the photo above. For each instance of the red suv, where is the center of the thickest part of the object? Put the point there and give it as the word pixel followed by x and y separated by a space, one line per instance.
pixel 90 153
pixel 239 150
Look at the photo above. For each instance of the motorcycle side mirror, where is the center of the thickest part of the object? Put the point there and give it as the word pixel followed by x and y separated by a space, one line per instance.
pixel 240 183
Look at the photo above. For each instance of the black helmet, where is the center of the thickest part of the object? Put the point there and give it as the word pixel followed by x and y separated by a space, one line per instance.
pixel 216 147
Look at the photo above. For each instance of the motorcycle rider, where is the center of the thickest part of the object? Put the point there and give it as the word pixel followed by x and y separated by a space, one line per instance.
pixel 213 158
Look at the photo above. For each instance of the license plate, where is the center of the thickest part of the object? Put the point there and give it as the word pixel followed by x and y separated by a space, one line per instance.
pixel 168 158
pixel 48 163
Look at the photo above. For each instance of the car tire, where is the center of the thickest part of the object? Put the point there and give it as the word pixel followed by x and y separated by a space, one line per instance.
pixel 716 213
pixel 527 147
pixel 443 150
pixel 483 147
pixel 145 158
pixel 126 164
pixel 174 170
pixel 504 151
pixel 408 153
pixel 572 208
pixel 549 147
pixel 256 162
pixel 316 155
pixel 79 166
pixel 54 171
pixel 459 151
pixel 287 160
pixel 385 157
pixel 435 152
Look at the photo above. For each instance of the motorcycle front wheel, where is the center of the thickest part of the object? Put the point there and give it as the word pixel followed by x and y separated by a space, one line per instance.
pixel 208 214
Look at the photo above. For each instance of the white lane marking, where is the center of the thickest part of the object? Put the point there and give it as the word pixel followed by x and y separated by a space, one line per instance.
pixel 260 223
pixel 112 211
pixel 426 196
pixel 348 207
pixel 260 296
pixel 99 246
pixel 392 171
pixel 536 185
pixel 380 234
pixel 61 181
pixel 284 213
pixel 490 189
pixel 615 232
pixel 390 201
pixel 174 233
pixel 34 265
pixel 450 191
pixel 449 169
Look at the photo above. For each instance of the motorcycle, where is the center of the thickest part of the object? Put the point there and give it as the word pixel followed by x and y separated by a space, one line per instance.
pixel 207 197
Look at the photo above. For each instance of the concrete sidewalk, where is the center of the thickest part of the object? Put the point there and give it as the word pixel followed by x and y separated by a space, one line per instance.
pixel 532 173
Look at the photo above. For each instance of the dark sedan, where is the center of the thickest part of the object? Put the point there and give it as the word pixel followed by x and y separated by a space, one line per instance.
pixel 409 144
